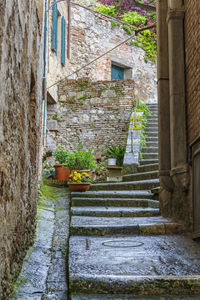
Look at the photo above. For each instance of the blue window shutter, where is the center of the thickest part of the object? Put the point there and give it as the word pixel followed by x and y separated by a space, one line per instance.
pixel 55 28
pixel 63 41
pixel 117 73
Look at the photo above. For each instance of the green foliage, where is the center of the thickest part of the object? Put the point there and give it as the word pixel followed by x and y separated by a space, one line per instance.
pixel 116 152
pixel 142 140
pixel 83 97
pixel 81 160
pixel 142 107
pixel 114 23
pixel 127 29
pixel 106 10
pixel 55 116
pixel 133 18
pixel 83 85
pixel 148 42
pixel 61 155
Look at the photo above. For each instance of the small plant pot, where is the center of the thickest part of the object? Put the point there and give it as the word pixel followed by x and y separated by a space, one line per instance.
pixel 61 173
pixel 112 161
pixel 79 187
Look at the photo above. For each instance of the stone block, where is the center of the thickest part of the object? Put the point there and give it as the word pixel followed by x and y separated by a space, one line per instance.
pixel 52 125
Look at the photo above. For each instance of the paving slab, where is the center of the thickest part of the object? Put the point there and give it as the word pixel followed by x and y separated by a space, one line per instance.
pixel 131 297
pixel 43 274
pixel 142 265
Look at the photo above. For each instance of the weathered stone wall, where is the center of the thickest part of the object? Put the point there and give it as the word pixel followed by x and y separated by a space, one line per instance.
pixel 192 50
pixel 91 36
pixel 97 114
pixel 20 127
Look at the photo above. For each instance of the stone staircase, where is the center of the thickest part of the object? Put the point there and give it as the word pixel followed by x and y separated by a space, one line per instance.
pixel 106 207
pixel 117 235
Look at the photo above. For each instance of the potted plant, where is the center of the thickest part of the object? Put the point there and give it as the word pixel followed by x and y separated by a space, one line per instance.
pixel 81 161
pixel 62 171
pixel 79 182
pixel 115 155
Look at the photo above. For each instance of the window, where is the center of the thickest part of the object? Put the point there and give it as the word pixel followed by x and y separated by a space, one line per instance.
pixel 117 72
pixel 63 26
pixel 55 28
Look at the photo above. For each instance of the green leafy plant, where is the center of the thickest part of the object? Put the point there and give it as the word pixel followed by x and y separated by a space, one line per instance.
pixel 61 155
pixel 114 23
pixel 106 10
pixel 132 17
pixel 116 152
pixel 148 42
pixel 81 160
pixel 127 29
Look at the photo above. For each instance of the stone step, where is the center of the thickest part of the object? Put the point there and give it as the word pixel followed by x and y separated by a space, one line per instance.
pixel 152 144
pixel 97 226
pixel 150 265
pixel 151 134
pixel 131 297
pixel 151 129
pixel 146 168
pixel 114 202
pixel 113 194
pixel 150 149
pixel 148 161
pixel 151 139
pixel 130 185
pixel 99 211
pixel 151 124
pixel 150 118
pixel 149 155
pixel 141 176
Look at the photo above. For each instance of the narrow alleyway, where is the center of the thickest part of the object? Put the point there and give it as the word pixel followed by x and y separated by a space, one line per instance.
pixel 120 248
pixel 43 275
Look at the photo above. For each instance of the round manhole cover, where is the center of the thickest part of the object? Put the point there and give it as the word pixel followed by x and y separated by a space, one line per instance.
pixel 122 244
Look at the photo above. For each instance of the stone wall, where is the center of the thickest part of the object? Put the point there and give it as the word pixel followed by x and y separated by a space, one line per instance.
pixel 192 50
pixel 20 128
pixel 95 113
pixel 91 36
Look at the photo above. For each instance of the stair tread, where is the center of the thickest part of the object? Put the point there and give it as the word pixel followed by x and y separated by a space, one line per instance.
pixel 113 208
pixel 126 182
pixel 85 221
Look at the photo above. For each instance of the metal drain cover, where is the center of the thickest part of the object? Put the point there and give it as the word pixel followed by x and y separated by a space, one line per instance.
pixel 122 244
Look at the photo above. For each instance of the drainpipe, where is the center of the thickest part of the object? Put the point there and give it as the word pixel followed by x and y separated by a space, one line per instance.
pixel 163 98
pixel 44 73
pixel 69 29
pixel 179 166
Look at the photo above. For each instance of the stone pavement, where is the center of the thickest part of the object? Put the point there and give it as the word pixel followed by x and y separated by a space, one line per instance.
pixel 43 275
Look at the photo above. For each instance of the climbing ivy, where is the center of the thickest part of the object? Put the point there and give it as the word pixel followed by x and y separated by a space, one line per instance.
pixel 135 18
pixel 148 42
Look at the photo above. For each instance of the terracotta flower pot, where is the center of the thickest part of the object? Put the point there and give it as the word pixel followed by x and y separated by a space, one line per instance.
pixel 61 172
pixel 79 187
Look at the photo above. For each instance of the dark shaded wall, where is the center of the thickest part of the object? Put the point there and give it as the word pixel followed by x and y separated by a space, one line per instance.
pixel 20 129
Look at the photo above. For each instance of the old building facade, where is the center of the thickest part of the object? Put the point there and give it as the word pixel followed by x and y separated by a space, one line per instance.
pixel 20 128
pixel 179 121
pixel 90 36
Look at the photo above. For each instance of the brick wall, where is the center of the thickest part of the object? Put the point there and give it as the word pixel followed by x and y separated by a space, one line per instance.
pixel 20 128
pixel 97 114
pixel 192 48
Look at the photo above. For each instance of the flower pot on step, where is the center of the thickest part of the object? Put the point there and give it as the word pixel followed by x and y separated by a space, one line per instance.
pixel 61 172
pixel 112 161
pixel 79 187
